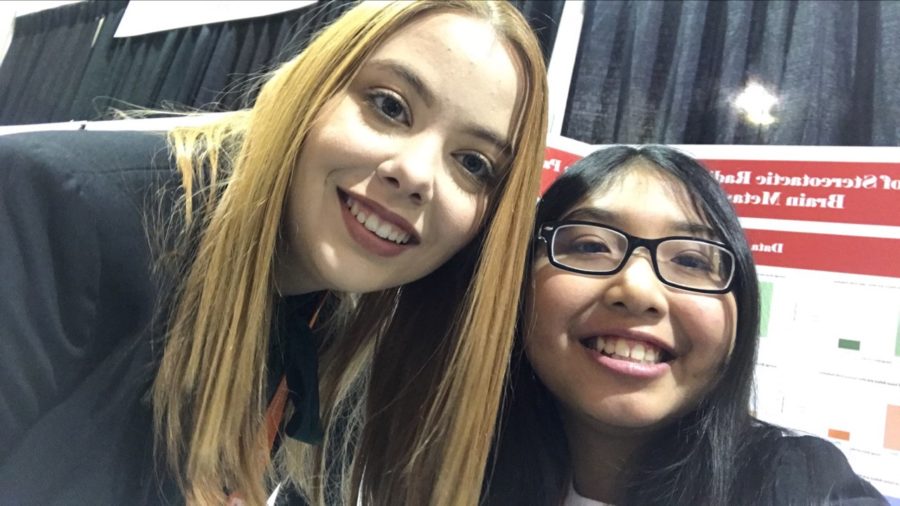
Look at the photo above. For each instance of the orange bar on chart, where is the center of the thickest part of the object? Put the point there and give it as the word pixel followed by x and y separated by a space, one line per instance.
pixel 839 434
pixel 892 428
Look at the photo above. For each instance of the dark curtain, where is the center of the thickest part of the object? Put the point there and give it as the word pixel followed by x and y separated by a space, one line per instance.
pixel 206 67
pixel 543 16
pixel 47 58
pixel 668 72
pixel 54 73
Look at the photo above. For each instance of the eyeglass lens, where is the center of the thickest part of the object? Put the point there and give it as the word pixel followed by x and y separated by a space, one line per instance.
pixel 684 262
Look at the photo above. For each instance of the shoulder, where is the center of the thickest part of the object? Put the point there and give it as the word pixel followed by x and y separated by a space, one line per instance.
pixel 75 263
pixel 75 209
pixel 807 467
pixel 79 157
pixel 116 149
pixel 822 459
pixel 103 173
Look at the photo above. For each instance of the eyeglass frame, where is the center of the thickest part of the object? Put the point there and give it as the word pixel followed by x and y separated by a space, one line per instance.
pixel 548 230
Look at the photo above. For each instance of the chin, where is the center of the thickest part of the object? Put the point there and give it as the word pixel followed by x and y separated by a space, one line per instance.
pixel 360 280
pixel 352 284
pixel 627 422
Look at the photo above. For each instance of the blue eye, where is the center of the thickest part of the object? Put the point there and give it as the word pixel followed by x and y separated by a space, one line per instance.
pixel 390 106
pixel 475 164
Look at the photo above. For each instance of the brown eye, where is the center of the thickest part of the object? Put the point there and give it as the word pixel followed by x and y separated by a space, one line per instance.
pixel 390 106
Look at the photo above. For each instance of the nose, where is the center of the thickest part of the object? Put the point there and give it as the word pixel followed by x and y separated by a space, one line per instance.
pixel 412 168
pixel 636 289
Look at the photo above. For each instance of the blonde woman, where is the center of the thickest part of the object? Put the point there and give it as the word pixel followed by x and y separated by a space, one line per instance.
pixel 396 157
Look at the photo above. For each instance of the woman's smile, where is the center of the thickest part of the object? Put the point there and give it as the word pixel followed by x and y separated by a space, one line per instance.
pixel 376 229
pixel 629 353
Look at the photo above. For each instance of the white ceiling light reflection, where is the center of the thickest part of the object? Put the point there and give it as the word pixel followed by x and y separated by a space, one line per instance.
pixel 756 104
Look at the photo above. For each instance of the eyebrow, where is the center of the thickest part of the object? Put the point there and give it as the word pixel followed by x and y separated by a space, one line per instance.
pixel 488 136
pixel 606 217
pixel 415 82
pixel 407 74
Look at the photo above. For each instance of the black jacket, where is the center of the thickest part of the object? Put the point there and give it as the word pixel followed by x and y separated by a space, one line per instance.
pixel 76 304
pixel 792 469
pixel 81 322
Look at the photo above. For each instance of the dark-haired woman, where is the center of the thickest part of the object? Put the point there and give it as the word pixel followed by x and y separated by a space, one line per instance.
pixel 639 340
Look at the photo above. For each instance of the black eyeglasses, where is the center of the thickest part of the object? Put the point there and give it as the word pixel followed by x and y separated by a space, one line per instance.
pixel 688 263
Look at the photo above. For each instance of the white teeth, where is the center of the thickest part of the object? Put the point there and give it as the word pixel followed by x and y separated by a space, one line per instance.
pixel 384 230
pixel 637 352
pixel 626 349
pixel 373 224
pixel 622 349
pixel 610 347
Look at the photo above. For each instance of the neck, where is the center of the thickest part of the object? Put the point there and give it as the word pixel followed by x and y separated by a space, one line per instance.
pixel 599 458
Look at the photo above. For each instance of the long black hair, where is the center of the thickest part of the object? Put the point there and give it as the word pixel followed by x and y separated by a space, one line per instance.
pixel 692 461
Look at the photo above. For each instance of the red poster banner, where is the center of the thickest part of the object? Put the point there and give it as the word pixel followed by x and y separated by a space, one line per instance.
pixel 836 192
pixel 874 256
pixel 556 161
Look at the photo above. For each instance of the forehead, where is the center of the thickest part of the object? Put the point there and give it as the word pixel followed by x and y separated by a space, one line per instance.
pixel 442 34
pixel 461 59
pixel 645 196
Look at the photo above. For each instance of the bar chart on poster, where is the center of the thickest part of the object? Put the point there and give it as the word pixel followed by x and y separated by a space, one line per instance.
pixel 823 228
pixel 829 364
pixel 823 224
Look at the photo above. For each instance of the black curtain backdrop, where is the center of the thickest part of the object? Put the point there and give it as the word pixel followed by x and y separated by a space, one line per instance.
pixel 53 72
pixel 668 72
pixel 49 54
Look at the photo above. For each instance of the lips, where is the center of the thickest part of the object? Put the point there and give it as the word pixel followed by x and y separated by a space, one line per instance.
pixel 375 229
pixel 628 354
pixel 382 228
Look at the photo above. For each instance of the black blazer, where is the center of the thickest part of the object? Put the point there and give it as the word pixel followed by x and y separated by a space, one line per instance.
pixel 76 304
pixel 792 469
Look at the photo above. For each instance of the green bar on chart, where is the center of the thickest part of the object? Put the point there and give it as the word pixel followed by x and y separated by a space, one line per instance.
pixel 765 306
pixel 848 344
pixel 897 350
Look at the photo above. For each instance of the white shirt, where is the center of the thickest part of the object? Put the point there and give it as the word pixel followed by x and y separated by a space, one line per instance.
pixel 574 499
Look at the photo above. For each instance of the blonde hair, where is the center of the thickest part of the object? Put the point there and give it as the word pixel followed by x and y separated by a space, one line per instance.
pixel 209 396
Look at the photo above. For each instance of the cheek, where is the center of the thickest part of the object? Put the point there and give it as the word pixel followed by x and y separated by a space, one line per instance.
pixel 457 216
pixel 554 307
pixel 710 324
pixel 555 303
pixel 339 134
